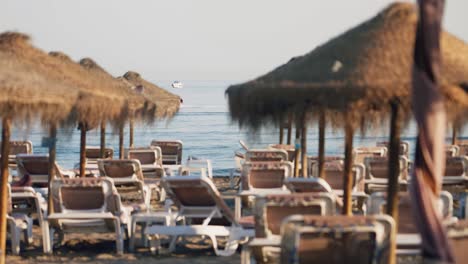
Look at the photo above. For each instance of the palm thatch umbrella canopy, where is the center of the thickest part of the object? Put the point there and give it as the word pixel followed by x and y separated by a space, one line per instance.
pixel 30 89
pixel 140 106
pixel 363 69
pixel 167 104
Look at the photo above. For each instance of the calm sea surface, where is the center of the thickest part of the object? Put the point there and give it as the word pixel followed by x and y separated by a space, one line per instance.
pixel 204 126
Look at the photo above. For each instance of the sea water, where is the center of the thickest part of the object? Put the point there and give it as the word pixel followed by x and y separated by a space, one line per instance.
pixel 205 128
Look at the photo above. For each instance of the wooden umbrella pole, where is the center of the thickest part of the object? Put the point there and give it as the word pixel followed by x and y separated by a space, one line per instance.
pixel 102 151
pixel 6 126
pixel 304 145
pixel 297 150
pixel 454 134
pixel 131 128
pixel 321 150
pixel 83 150
pixel 281 134
pixel 348 183
pixel 121 141
pixel 393 173
pixel 289 129
pixel 52 156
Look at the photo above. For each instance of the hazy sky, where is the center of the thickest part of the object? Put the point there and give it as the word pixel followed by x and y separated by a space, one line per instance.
pixel 194 39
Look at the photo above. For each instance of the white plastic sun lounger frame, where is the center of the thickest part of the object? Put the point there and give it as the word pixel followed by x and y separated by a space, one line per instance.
pixel 448 179
pixel 177 158
pixel 87 217
pixel 18 223
pixel 39 178
pixel 235 232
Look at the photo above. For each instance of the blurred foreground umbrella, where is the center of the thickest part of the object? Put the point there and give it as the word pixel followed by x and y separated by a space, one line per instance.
pixel 167 103
pixel 27 93
pixel 429 111
pixel 139 106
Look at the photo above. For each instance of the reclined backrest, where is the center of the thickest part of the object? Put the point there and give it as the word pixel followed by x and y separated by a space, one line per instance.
pixel 151 156
pixel 360 153
pixel 20 147
pixel 94 153
pixel 308 185
pixel 456 166
pixel 335 239
pixel 196 195
pixel 271 210
pixel 264 155
pixel 452 150
pixel 265 175
pixel 121 170
pixel 377 167
pixel 404 147
pixel 36 166
pixel 171 150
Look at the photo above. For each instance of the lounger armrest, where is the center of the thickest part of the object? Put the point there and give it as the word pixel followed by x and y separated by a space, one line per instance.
pixel 266 242
pixel 58 216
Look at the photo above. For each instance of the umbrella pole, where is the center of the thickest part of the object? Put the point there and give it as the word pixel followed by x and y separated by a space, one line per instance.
pixel 6 125
pixel 121 141
pixel 304 146
pixel 52 157
pixel 393 173
pixel 83 150
pixel 321 150
pixel 281 134
pixel 454 134
pixel 348 183
pixel 297 152
pixel 289 130
pixel 131 128
pixel 102 153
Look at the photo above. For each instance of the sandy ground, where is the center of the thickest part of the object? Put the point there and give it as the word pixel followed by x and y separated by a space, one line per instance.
pixel 100 248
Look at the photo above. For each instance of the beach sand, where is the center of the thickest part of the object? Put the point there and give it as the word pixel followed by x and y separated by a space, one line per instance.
pixel 100 248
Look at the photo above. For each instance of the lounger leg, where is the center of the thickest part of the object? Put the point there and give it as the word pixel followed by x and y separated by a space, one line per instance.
pixel 155 244
pixel 131 246
pixel 45 237
pixel 245 255
pixel 119 236
pixel 15 236
pixel 173 243
pixel 28 235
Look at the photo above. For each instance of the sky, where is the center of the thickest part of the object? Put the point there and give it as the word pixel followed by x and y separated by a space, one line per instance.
pixel 194 39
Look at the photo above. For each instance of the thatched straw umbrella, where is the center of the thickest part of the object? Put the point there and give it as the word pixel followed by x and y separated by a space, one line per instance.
pixel 100 84
pixel 139 105
pixel 362 77
pixel 167 103
pixel 25 95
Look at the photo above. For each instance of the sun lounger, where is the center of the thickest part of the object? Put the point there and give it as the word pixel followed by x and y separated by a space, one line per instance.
pixel 204 212
pixel 129 180
pixel 151 166
pixel 336 239
pixel 18 147
pixel 452 150
pixel 262 155
pixel 93 153
pixel 171 151
pixel 86 205
pixel 360 153
pixel 458 235
pixel 408 238
pixel 463 145
pixel 16 224
pixel 271 210
pixel 404 147
pixel 456 170
pixel 312 163
pixel 37 167
pixel 289 149
pixel 266 177
pixel 377 173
